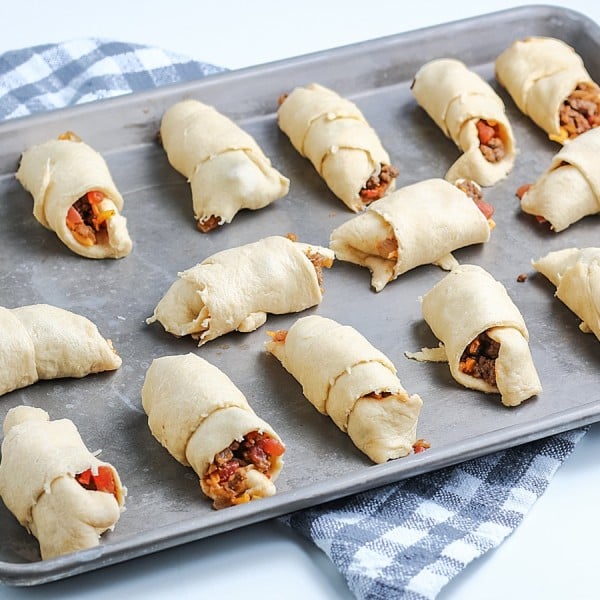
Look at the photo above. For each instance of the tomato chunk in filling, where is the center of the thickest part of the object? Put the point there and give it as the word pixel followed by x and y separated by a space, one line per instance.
pixel 490 141
pixel 225 480
pixel 473 190
pixel 378 184
pixel 521 191
pixel 479 358
pixel 581 110
pixel 86 221
pixel 103 481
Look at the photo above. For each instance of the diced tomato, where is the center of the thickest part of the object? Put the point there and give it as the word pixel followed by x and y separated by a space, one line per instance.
pixel 104 481
pixel 73 217
pixel 485 131
pixel 485 208
pixel 420 446
pixel 271 446
pixel 522 190
pixel 95 197
pixel 369 195
pixel 85 477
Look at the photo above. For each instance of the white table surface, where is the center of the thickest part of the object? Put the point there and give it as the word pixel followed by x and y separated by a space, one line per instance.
pixel 552 555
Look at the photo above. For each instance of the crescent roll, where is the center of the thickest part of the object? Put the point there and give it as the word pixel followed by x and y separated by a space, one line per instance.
pixel 226 168
pixel 344 376
pixel 576 274
pixel 469 112
pixel 483 335
pixel 344 149
pixel 570 188
pixel 41 341
pixel 415 225
pixel 549 83
pixel 235 289
pixel 197 413
pixel 55 487
pixel 74 196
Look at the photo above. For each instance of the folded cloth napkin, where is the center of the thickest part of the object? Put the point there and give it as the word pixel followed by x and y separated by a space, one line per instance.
pixel 405 540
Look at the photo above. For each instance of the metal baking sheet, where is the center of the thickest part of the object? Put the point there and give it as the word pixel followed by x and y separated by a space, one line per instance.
pixel 165 506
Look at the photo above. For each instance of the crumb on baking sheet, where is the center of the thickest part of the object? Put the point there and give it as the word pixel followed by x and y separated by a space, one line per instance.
pixel 522 277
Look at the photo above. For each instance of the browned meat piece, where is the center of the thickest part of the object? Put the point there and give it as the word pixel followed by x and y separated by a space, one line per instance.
pixel 378 184
pixel 581 110
pixel 479 358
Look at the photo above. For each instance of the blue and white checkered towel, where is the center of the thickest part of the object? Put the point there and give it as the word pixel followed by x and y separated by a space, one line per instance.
pixel 405 540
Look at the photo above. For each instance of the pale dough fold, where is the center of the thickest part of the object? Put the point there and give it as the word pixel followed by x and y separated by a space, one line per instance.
pixel 59 172
pixel 334 135
pixel 465 303
pixel 195 411
pixel 456 98
pixel 425 222
pixel 341 373
pixel 540 73
pixel 570 189
pixel 41 341
pixel 40 459
pixel 576 274
pixel 226 168
pixel 235 289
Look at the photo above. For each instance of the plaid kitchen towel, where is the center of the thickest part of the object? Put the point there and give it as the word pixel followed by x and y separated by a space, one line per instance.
pixel 405 540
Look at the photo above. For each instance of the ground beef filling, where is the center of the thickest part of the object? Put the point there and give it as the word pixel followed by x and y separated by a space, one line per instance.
pixel 473 190
pixel 470 188
pixel 378 395
pixel 225 481
pixel 490 141
pixel 581 110
pixel 319 261
pixel 479 358
pixel 86 221
pixel 378 184
pixel 388 248
pixel 208 224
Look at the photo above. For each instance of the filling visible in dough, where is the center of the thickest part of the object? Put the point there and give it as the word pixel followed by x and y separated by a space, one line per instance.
pixel 490 140
pixel 523 189
pixel 227 479
pixel 208 224
pixel 580 111
pixel 84 218
pixel 103 481
pixel 473 190
pixel 318 262
pixel 479 358
pixel 378 184
pixel 387 248
pixel 278 336
pixel 86 221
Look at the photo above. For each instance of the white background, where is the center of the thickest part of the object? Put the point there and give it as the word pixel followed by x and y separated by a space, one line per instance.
pixel 552 555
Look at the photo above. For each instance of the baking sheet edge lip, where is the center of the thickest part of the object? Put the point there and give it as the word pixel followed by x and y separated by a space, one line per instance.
pixel 581 416
pixel 146 543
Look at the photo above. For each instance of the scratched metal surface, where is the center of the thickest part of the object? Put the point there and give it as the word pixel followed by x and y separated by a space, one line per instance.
pixel 321 462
